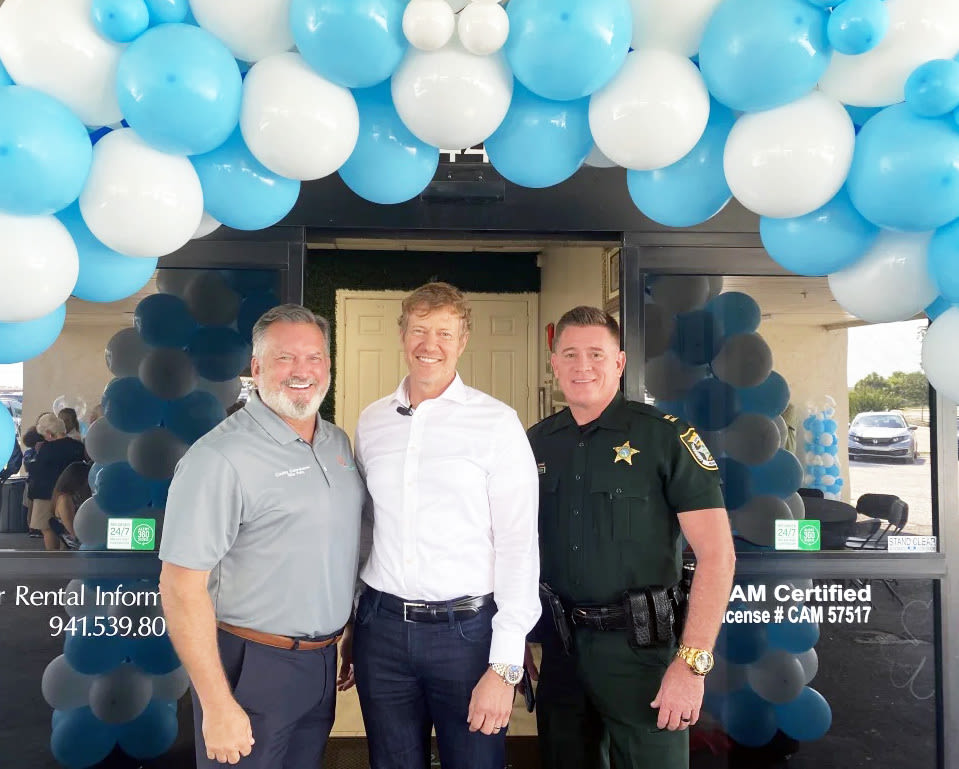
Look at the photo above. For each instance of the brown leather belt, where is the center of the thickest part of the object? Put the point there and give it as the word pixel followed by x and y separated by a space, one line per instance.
pixel 278 641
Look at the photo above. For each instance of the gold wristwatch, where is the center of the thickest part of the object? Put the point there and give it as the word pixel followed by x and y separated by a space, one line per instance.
pixel 700 661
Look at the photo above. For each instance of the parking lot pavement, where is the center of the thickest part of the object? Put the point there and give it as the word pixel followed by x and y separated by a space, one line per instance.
pixel 908 481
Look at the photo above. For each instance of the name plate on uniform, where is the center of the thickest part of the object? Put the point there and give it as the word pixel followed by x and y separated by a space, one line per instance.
pixel 131 533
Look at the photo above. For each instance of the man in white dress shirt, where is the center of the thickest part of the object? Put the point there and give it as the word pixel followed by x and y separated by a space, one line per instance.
pixel 452 577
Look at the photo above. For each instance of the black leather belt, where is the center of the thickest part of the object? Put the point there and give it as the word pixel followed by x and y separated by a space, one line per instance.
pixel 599 617
pixel 434 611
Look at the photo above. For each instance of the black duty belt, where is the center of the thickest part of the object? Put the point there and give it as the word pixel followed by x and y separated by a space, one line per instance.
pixel 434 611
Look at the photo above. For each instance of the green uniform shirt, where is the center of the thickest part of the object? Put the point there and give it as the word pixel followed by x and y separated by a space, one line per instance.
pixel 609 496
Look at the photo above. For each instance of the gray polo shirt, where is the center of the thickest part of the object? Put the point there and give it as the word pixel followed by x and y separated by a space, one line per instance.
pixel 274 519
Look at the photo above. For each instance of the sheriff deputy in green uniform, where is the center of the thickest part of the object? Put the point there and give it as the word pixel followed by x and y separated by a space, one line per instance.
pixel 621 677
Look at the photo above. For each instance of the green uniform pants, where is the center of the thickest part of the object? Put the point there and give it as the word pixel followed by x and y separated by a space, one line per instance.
pixel 592 707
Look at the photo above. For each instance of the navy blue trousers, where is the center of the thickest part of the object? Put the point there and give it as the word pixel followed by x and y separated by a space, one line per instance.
pixel 290 697
pixel 414 676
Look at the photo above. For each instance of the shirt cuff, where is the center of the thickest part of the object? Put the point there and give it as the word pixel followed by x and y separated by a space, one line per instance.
pixel 507 648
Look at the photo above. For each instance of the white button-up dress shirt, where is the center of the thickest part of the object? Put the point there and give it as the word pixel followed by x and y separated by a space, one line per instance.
pixel 454 493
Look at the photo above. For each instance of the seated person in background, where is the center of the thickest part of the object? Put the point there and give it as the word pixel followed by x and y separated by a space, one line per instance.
pixel 70 491
pixel 70 421
pixel 53 455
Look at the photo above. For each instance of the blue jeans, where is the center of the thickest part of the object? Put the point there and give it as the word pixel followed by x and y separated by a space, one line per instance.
pixel 412 676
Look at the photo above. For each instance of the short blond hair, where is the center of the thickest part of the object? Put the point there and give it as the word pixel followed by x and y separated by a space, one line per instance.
pixel 437 296
pixel 51 424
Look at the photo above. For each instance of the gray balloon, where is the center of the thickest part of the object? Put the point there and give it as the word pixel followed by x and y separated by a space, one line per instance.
pixel 725 676
pixel 744 360
pixel 226 392
pixel 172 281
pixel 751 439
pixel 79 599
pixel 211 301
pixel 797 508
pixel 121 695
pixel 680 293
pixel 715 441
pixel 63 687
pixel 172 686
pixel 659 330
pixel 810 664
pixel 90 524
pixel 756 520
pixel 783 430
pixel 668 378
pixel 124 352
pixel 155 452
pixel 777 676
pixel 105 444
pixel 168 373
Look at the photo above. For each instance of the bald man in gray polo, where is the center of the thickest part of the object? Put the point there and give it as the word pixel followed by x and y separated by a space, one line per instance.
pixel 260 549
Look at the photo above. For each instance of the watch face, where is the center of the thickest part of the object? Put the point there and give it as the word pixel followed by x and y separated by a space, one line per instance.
pixel 514 674
pixel 703 662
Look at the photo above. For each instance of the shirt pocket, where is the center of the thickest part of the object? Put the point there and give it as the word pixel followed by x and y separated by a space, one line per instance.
pixel 622 503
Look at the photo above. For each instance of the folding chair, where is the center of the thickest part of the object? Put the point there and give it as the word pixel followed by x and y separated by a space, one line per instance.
pixel 883 509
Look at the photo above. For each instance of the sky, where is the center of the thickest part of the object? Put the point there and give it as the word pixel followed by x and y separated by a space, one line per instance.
pixel 11 375
pixel 884 348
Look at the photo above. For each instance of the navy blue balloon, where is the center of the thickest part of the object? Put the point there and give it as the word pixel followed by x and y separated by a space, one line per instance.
pixel 155 654
pixel 388 164
pixel 219 353
pixel 693 189
pixel 93 655
pixel 806 718
pixel 540 142
pixel 905 171
pixel 748 718
pixel 769 398
pixel 933 88
pixel 151 734
pixel 696 337
pixel 23 340
pixel 80 739
pixel 821 242
pixel 250 311
pixel 857 26
pixel 734 313
pixel 120 20
pixel 246 282
pixel 121 489
pixel 129 406
pixel 353 43
pixel 712 404
pixel 164 320
pixel 158 493
pixel 193 416
pixel 239 191
pixel 45 153
pixel 756 55
pixel 736 482
pixel 741 642
pixel 779 477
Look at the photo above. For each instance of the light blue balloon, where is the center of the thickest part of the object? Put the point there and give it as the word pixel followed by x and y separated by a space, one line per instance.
pixel 8 433
pixel 179 87
pixel 944 261
pixel 821 242
pixel 93 655
pixel 806 718
pixel 779 477
pixel 45 153
pixel 168 11
pixel 26 339
pixel 735 313
pixel 932 89
pixel 567 49
pixel 741 642
pixel 80 739
pixel 905 171
pixel 937 308
pixel 239 191
pixel 5 78
pixel 105 275
pixel 353 43
pixel 857 26
pixel 860 115
pixel 693 189
pixel 768 398
pixel 120 20
pixel 388 164
pixel 756 55
pixel 793 637
pixel 540 142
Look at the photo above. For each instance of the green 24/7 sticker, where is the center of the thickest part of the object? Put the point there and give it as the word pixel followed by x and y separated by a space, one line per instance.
pixel 131 534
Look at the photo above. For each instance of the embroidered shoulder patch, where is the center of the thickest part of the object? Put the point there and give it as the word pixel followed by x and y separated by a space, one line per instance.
pixel 698 450
pixel 670 418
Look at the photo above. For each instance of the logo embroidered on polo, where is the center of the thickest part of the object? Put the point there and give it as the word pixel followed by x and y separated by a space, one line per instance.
pixel 624 453
pixel 698 450
pixel 291 473
pixel 343 462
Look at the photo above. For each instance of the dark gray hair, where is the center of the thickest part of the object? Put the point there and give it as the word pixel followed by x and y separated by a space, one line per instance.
pixel 586 316
pixel 288 313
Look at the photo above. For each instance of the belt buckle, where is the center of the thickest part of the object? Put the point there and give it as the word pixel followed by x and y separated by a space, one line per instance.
pixel 407 605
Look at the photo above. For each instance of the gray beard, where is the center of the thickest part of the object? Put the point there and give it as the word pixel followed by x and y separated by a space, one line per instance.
pixel 286 407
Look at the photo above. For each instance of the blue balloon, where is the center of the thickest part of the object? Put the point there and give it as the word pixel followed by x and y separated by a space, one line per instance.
pixel 567 49
pixel 768 398
pixel 741 642
pixel 251 309
pixel 80 739
pixel 806 718
pixel 944 261
pixel 735 313
pixel 45 153
pixel 779 477
pixel 353 43
pixel 239 191
pixel 155 654
pixel 821 242
pixel 693 189
pixel 193 415
pixel 834 449
pixel 540 142
pixel 748 718
pixel 219 353
pixel 905 171
pixel 179 87
pixel 932 89
pixel 168 11
pixel 829 426
pixel 129 406
pixel 164 320
pixel 388 164
pixel 8 433
pixel 696 337
pixel 159 490
pixel 712 404
pixel 857 26
pixel 23 340
pixel 937 308
pixel 756 55
pixel 121 20
pixel 793 637
pixel 860 115
pixel 93 655
pixel 5 78
pixel 151 734
pixel 736 482
pixel 246 282
pixel 121 489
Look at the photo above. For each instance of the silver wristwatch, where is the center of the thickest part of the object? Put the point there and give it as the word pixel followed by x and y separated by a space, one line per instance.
pixel 511 674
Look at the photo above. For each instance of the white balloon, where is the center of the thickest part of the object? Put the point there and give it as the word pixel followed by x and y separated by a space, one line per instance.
pixel 828 460
pixel 891 282
pixel 653 111
pixel 810 664
pixel 827 439
pixel 120 695
pixel 207 225
pixel 140 201
pixel 295 122
pixel 939 360
pixel 226 392
pixel 52 45
pixel 680 293
pixel 919 30
pixel 796 505
pixel 452 98
pixel 172 685
pixel 39 261
pixel 790 160
pixel 828 480
pixel 482 27
pixel 597 159
pixel 674 26
pixel 428 24
pixel 777 676
pixel 251 29
pixel 63 687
